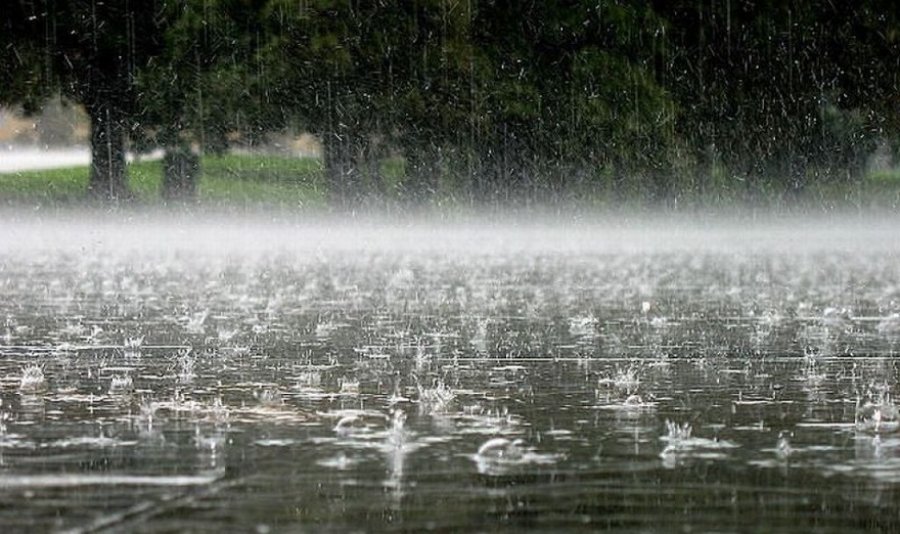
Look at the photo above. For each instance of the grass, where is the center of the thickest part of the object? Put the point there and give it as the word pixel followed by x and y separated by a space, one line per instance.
pixel 228 180
pixel 251 181
pixel 50 186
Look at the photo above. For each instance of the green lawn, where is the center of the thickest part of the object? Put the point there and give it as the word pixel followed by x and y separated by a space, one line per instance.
pixel 228 180
pixel 237 181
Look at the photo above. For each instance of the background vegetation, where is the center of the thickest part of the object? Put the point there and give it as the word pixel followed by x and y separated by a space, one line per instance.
pixel 477 101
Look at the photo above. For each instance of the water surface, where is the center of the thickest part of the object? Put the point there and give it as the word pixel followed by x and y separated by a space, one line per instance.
pixel 255 376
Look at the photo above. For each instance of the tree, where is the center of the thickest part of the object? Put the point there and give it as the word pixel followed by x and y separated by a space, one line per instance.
pixel 570 92
pixel 491 95
pixel 783 92
pixel 324 75
pixel 89 51
pixel 203 89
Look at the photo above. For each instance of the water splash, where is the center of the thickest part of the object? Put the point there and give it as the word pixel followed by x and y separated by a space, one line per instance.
pixel 121 385
pixel 33 380
pixel 436 398
pixel 878 413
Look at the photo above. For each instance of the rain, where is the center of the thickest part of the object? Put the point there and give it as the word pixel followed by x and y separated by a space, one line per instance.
pixel 455 265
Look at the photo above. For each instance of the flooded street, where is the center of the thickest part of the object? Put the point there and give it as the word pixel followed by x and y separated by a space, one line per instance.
pixel 315 378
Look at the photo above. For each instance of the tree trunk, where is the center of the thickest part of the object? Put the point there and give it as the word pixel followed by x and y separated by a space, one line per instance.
pixel 373 154
pixel 423 170
pixel 181 169
pixel 341 170
pixel 107 181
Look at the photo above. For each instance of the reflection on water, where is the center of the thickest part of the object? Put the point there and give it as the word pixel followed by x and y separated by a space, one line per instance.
pixel 375 388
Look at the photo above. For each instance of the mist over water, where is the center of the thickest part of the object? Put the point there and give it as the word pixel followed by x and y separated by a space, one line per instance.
pixel 250 232
pixel 179 372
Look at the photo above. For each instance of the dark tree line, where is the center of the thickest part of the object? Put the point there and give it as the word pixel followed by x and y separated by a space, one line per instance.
pixel 487 100
pixel 785 91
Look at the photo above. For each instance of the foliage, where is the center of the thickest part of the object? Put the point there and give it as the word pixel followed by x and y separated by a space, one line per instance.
pixel 784 91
